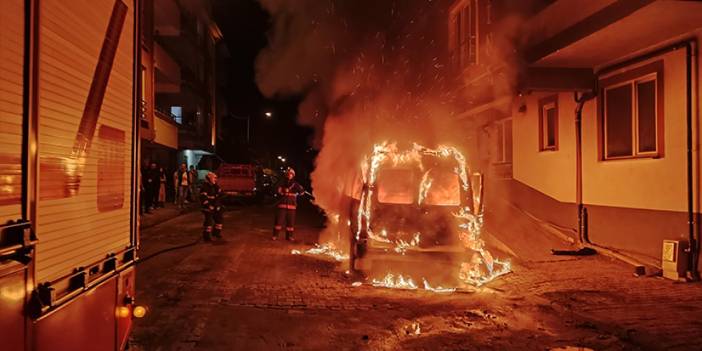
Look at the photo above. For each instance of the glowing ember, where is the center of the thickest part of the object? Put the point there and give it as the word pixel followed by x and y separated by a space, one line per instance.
pixel 399 281
pixel 438 289
pixel 395 282
pixel 401 246
pixel 327 249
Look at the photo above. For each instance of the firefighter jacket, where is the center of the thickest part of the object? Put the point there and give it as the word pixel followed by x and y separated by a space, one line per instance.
pixel 211 197
pixel 288 192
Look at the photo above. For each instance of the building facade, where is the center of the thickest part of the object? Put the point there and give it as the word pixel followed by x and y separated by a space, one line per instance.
pixel 597 133
pixel 179 46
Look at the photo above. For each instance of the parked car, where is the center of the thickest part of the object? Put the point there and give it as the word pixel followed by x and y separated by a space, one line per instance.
pixel 237 180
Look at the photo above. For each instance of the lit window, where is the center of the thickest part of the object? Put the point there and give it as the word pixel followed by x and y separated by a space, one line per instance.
pixel 548 124
pixel 631 113
pixel 177 114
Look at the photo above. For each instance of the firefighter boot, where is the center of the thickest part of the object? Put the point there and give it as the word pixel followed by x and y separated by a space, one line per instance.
pixel 206 234
pixel 217 232
pixel 289 236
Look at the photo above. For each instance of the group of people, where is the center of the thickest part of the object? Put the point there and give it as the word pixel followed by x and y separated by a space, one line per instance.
pixel 211 196
pixel 154 187
pixel 185 183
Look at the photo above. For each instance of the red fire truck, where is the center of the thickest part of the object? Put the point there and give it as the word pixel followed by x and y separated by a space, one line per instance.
pixel 68 170
pixel 237 180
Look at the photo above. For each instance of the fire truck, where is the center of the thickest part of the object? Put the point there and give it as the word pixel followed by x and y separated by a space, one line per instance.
pixel 69 145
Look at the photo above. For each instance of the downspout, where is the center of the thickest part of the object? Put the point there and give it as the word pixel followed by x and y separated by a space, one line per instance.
pixel 582 211
pixel 693 249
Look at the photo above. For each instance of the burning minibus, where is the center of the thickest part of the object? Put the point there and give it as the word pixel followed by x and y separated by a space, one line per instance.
pixel 417 214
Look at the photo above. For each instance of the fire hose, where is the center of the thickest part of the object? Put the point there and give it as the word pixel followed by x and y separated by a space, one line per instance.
pixel 168 249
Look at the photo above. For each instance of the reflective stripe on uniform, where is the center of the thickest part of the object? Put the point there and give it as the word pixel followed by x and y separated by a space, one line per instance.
pixel 289 207
pixel 290 229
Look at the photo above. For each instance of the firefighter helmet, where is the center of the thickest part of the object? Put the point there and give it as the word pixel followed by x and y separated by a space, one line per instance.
pixel 290 170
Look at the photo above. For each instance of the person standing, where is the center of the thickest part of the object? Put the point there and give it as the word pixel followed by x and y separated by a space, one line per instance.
pixel 210 200
pixel 192 176
pixel 183 184
pixel 150 187
pixel 288 190
pixel 155 183
pixel 162 188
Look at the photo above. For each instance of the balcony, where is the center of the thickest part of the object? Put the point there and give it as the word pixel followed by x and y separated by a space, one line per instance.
pixel 167 18
pixel 168 78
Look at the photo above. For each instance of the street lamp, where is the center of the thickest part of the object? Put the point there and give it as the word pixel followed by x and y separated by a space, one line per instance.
pixel 269 114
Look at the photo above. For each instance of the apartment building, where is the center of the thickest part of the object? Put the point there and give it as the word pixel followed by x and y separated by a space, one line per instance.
pixel 596 131
pixel 180 42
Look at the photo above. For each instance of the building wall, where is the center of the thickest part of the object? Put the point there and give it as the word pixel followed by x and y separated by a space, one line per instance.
pixel 550 172
pixel 632 204
pixel 166 133
pixel 655 184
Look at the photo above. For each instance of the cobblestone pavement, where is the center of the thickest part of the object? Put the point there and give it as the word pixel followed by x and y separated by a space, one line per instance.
pixel 250 293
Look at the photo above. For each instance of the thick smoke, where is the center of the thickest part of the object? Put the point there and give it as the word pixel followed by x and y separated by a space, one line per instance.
pixel 370 71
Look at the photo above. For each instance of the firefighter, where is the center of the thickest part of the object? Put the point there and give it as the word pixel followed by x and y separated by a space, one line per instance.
pixel 211 200
pixel 288 190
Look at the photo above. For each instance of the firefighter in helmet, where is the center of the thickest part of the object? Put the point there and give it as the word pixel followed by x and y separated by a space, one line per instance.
pixel 211 200
pixel 288 190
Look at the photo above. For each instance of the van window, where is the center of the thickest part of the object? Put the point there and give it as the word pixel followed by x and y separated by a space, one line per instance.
pixel 397 186
pixel 445 189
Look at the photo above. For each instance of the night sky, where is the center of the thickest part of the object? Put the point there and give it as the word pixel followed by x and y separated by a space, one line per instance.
pixel 244 25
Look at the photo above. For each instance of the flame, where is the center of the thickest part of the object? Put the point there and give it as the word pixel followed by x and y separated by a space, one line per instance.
pixel 424 187
pixel 326 249
pixel 399 281
pixel 438 289
pixel 401 246
pixel 478 268
pixel 395 282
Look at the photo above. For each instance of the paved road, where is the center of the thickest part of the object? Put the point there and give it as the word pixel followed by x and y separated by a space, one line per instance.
pixel 250 293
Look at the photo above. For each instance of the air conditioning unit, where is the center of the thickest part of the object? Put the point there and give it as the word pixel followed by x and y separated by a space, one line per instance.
pixel 674 259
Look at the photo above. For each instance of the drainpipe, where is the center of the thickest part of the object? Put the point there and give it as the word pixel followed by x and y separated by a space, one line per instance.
pixel 582 211
pixel 693 249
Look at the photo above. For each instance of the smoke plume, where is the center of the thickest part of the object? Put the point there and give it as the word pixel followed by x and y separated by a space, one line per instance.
pixel 370 71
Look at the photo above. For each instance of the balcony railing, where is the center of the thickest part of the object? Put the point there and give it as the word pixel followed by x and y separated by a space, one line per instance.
pixel 164 113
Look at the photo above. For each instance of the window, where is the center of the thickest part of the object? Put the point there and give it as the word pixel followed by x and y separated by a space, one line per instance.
pixel 631 113
pixel 397 186
pixel 548 123
pixel 177 114
pixel 463 33
pixel 503 141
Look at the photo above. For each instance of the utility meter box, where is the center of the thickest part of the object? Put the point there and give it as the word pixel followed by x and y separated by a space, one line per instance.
pixel 674 259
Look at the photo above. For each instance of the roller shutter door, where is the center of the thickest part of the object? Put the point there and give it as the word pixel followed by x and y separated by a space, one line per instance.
pixel 11 77
pixel 85 132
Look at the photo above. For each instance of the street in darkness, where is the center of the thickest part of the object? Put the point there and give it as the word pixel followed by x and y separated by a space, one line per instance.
pixel 350 175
